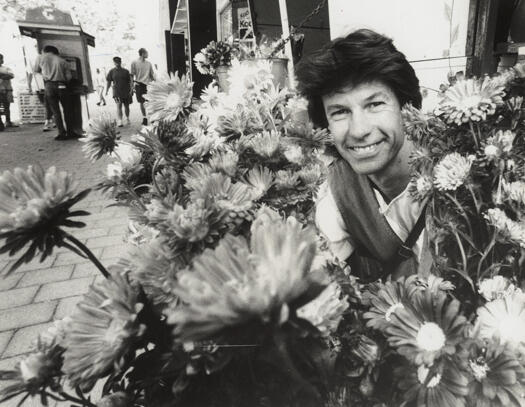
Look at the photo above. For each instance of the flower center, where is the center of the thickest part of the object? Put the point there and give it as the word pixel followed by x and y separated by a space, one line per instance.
pixel 392 309
pixel 471 101
pixel 422 373
pixel 430 337
pixel 174 101
pixel 479 369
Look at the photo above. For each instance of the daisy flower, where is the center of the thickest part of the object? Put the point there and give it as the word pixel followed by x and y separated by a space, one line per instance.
pixel 249 76
pixel 326 311
pixel 441 385
pixel 225 161
pixel 240 282
pixel 286 179
pixel 194 173
pixel 311 174
pixel 190 224
pixel 259 179
pixel 102 137
pixel 128 161
pixel 497 377
pixel 103 331
pixel 496 287
pixel 294 154
pixel 427 328
pixel 452 171
pixel 265 144
pixel 211 96
pixel 168 97
pixel 504 319
pixel 385 299
pixel 34 207
pixel 34 374
pixel 153 266
pixel 470 100
pixel 509 229
pixel 420 186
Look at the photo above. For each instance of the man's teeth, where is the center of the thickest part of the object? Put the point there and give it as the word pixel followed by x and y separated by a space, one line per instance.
pixel 366 148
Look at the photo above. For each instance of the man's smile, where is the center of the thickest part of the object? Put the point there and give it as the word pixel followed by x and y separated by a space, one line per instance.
pixel 365 149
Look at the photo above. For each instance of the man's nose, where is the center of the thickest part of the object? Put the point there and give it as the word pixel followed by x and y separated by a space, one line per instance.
pixel 359 125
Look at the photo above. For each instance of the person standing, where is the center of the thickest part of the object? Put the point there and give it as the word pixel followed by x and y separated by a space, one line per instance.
pixel 56 74
pixel 6 93
pixel 100 82
pixel 40 91
pixel 120 80
pixel 142 73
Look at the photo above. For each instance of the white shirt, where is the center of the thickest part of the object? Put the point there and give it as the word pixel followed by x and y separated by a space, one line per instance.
pixel 401 214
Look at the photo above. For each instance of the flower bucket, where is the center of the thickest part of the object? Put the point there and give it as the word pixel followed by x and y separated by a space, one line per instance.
pixel 221 75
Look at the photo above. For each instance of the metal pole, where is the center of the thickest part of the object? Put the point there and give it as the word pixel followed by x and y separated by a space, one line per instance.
pixel 288 46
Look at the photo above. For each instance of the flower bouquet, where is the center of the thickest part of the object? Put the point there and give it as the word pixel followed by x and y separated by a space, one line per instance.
pixel 215 54
pixel 224 299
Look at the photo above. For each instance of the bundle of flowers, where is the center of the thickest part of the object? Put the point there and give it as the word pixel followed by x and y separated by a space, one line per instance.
pixel 215 54
pixel 225 300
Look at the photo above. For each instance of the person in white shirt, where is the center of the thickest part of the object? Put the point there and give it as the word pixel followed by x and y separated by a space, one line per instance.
pixel 142 74
pixel 356 86
pixel 100 83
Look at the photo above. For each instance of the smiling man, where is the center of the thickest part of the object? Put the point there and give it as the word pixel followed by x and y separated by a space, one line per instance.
pixel 356 86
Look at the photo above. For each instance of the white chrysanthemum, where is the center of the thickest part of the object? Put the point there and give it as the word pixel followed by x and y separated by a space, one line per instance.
pixel 496 287
pixel 55 334
pixel 514 191
pixel 326 311
pixel 491 151
pixel 470 100
pixel 297 103
pixel 102 137
pixel 225 162
pixel 191 223
pixel 202 63
pixel 211 96
pixel 311 174
pixel 505 139
pixel 167 97
pixel 260 179
pixel 504 319
pixel 285 179
pixel 513 230
pixel 249 76
pixel 265 144
pixel 452 171
pixel 294 154
pixel 204 144
pixel 128 159
pixel 420 186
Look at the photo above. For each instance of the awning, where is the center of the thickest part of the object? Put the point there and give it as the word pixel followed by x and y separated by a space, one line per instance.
pixel 31 29
pixel 180 22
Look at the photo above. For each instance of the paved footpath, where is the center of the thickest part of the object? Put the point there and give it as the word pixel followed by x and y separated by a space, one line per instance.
pixel 39 293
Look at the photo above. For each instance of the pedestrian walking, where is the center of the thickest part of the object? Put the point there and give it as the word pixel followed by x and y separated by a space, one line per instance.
pixel 100 83
pixel 38 79
pixel 56 74
pixel 119 79
pixel 142 74
pixel 6 93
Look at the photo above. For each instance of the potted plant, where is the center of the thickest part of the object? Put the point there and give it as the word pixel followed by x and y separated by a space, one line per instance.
pixel 215 59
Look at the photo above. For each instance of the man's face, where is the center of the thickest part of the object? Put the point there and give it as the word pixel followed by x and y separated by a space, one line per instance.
pixel 365 121
pixel 117 63
pixel 145 54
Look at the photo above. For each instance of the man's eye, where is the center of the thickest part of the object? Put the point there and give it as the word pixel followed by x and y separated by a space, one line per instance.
pixel 376 104
pixel 338 113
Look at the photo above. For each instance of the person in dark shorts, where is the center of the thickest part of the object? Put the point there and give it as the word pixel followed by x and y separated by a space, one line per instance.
pixel 6 93
pixel 142 73
pixel 120 80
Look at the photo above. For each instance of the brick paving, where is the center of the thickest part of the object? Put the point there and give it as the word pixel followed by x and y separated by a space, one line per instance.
pixel 39 293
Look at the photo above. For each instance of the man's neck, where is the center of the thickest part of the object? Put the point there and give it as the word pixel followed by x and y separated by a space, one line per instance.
pixel 142 59
pixel 395 178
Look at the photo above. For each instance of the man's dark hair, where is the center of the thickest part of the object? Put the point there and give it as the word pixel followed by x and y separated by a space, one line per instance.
pixel 360 57
pixel 117 59
pixel 1 55
pixel 52 49
pixel 142 51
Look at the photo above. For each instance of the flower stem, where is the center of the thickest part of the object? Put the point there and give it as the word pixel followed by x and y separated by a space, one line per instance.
pixel 474 134
pixel 84 402
pixel 486 252
pixel 88 253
